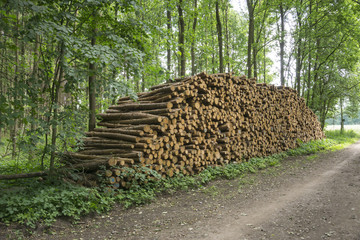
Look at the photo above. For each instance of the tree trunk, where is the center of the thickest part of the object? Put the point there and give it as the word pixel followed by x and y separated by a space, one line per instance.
pixel 264 49
pixel 193 69
pixel 341 116
pixel 317 64
pixel 13 131
pixel 33 98
pixel 181 40
pixel 168 16
pixel 55 100
pixel 219 32
pixel 309 58
pixel 143 83
pixel 92 86
pixel 298 53
pixel 298 66
pixel 308 79
pixel 282 44
pixel 316 75
pixel 250 37
pixel 323 111
pixel 254 56
pixel 227 37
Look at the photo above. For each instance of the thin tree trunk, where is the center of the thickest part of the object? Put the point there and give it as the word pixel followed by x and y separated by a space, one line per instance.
pixel 250 37
pixel 55 101
pixel 303 87
pixel 206 37
pixel 142 83
pixel 323 114
pixel 220 41
pixel 22 73
pixel 55 119
pixel 33 99
pixel 181 40
pixel 92 86
pixel 227 36
pixel 254 55
pixel 298 66
pixel 264 49
pixel 298 53
pixel 316 74
pixel 168 15
pixel 282 44
pixel 341 116
pixel 309 57
pixel 308 79
pixel 317 64
pixel 193 68
pixel 13 131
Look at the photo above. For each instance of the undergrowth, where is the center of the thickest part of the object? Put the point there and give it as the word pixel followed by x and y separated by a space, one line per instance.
pixel 37 201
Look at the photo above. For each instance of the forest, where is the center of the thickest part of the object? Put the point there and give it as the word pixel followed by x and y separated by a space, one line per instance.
pixel 64 62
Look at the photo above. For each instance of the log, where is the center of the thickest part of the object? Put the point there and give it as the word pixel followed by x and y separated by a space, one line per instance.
pixel 23 175
pixel 121 130
pixel 141 107
pixel 104 151
pixel 124 116
pixel 119 136
pixel 150 120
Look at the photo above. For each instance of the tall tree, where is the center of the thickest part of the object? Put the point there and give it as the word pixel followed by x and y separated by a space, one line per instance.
pixel 227 36
pixel 251 35
pixel 299 46
pixel 181 39
pixel 219 33
pixel 92 80
pixel 193 37
pixel 282 42
pixel 169 30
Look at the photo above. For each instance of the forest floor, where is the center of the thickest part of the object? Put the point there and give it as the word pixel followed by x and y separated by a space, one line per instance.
pixel 308 197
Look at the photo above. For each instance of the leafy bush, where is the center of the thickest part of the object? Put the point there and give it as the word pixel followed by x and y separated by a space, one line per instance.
pixel 136 196
pixel 44 202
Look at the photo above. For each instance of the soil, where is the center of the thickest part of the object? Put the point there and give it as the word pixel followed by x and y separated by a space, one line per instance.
pixel 308 197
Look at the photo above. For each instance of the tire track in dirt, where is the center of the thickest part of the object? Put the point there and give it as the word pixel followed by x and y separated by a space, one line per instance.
pixel 279 206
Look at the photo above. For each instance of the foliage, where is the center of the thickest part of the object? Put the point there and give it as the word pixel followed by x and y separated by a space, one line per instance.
pixel 43 202
pixel 45 55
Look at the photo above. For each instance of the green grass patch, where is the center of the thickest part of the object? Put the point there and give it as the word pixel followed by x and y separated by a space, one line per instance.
pixel 211 191
pixel 31 202
pixel 312 157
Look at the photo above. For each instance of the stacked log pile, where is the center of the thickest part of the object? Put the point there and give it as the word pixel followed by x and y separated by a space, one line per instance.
pixel 195 122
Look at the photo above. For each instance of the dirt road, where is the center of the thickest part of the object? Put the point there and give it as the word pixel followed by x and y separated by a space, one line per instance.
pixel 311 197
pixel 317 199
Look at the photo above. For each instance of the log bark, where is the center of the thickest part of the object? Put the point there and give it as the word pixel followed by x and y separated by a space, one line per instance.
pixel 23 175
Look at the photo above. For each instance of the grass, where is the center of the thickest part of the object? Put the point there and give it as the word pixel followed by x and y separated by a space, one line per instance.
pixel 29 201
